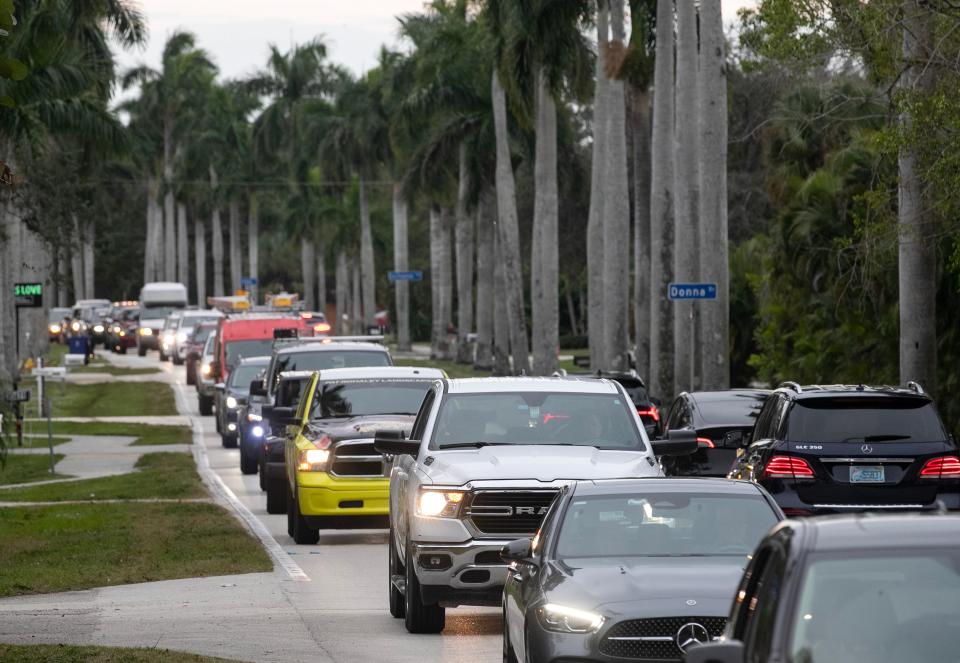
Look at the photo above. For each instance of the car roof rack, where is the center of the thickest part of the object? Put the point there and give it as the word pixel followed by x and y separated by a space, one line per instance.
pixel 915 386
pixel 791 385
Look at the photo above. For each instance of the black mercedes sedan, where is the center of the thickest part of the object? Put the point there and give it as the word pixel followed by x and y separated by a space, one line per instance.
pixel 837 589
pixel 631 569
pixel 841 448
pixel 722 420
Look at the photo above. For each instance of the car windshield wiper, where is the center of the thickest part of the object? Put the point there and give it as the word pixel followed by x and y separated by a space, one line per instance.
pixel 473 445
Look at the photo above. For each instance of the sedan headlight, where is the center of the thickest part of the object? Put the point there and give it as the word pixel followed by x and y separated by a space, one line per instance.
pixel 181 337
pixel 313 460
pixel 54 329
pixel 439 503
pixel 206 369
pixel 98 329
pixel 232 402
pixel 76 326
pixel 145 331
pixel 564 619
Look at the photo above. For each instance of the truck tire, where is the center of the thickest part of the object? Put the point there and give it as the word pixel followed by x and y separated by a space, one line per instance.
pixel 191 374
pixel 276 496
pixel 297 524
pixel 141 351
pixel 397 606
pixel 289 495
pixel 230 442
pixel 205 403
pixel 263 477
pixel 419 618
pixel 177 361
pixel 247 465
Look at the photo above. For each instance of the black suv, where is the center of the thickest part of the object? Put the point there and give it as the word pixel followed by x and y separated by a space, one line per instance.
pixel 841 448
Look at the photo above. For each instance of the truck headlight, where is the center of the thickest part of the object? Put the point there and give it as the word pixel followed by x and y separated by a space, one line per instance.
pixel 256 431
pixel 439 503
pixel 564 619
pixel 313 460
pixel 98 329
pixel 205 369
pixel 54 328
pixel 231 402
pixel 181 337
pixel 253 416
pixel 145 331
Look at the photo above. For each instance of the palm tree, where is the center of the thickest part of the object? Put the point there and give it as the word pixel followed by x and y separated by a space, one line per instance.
pixel 595 253
pixel 662 207
pixel 713 197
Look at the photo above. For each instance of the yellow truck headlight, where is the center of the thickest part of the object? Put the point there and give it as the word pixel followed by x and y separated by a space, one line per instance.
pixel 313 460
pixel 439 503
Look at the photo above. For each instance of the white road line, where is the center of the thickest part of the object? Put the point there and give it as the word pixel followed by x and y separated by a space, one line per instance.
pixel 219 488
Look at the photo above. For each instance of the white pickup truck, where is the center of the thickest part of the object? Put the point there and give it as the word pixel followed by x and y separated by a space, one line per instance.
pixel 483 463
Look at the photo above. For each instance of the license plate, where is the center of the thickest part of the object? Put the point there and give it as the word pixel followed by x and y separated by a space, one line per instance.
pixel 866 474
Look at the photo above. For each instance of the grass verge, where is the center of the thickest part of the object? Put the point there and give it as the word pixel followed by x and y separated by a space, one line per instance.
pixel 70 547
pixel 161 475
pixel 147 435
pixel 39 441
pixel 26 468
pixel 113 399
pixel 56 352
pixel 88 654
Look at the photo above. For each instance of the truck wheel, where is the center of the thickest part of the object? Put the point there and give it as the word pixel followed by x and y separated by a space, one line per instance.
pixel 263 477
pixel 419 618
pixel 230 442
pixel 141 351
pixel 289 495
pixel 276 496
pixel 394 568
pixel 191 372
pixel 247 465
pixel 301 532
pixel 177 361
pixel 205 404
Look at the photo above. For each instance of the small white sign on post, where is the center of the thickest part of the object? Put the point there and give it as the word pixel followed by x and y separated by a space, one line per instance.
pixel 56 373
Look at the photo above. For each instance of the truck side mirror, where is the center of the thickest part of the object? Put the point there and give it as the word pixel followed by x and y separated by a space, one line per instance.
pixel 257 388
pixel 283 416
pixel 394 443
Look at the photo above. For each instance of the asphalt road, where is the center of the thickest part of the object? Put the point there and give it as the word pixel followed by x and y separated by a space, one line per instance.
pixel 343 605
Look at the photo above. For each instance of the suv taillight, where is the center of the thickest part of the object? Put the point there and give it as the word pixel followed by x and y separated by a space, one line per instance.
pixel 651 412
pixel 944 467
pixel 787 467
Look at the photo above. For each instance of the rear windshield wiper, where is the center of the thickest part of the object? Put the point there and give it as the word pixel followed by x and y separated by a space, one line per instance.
pixel 473 445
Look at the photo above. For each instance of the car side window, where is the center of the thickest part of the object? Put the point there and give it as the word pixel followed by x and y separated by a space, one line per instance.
pixel 679 416
pixel 763 608
pixel 762 430
pixel 420 423
pixel 741 614
pixel 781 421
pixel 540 541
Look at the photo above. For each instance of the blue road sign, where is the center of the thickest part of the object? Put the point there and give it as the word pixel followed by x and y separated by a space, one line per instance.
pixel 685 291
pixel 405 276
pixel 248 281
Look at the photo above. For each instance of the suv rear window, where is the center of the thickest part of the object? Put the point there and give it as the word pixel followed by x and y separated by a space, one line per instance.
pixel 318 361
pixel 864 420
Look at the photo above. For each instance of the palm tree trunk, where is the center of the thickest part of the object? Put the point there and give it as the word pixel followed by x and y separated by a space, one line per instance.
pixel 463 234
pixel 686 265
pixel 917 226
pixel 343 292
pixel 183 246
pixel 89 260
pixel 308 264
pixel 401 249
pixel 149 248
pixel 715 337
pixel 169 206
pixel 76 260
pixel 571 312
pixel 439 347
pixel 640 120
pixel 216 232
pixel 158 240
pixel 595 215
pixel 200 259
pixel 321 276
pixel 236 263
pixel 616 215
pixel 366 258
pixel 483 357
pixel 661 208
pixel 446 283
pixel 356 299
pixel 509 231
pixel 546 293
pixel 253 243
pixel 501 324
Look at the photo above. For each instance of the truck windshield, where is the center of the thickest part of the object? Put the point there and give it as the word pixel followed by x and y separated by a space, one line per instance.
pixel 592 420
pixel 237 350
pixel 326 359
pixel 368 397
pixel 243 375
pixel 157 312
pixel 664 525
pixel 859 420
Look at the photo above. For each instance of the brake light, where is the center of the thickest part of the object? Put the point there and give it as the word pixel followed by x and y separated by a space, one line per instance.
pixel 705 443
pixel 787 467
pixel 322 328
pixel 944 467
pixel 651 412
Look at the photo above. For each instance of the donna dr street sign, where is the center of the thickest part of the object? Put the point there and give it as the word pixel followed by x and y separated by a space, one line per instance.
pixel 686 291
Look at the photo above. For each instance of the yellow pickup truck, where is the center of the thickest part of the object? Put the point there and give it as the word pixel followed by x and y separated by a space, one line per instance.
pixel 336 479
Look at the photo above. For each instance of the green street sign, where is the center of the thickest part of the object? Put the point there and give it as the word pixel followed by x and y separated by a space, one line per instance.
pixel 28 295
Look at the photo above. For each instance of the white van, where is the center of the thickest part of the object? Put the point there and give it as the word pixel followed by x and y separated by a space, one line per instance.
pixel 157 301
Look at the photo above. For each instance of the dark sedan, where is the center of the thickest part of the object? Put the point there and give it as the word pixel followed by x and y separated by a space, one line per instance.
pixel 882 589
pixel 722 420
pixel 631 569
pixel 236 390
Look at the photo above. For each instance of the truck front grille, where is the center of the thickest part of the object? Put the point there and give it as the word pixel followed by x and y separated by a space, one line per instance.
pixel 509 512
pixel 357 459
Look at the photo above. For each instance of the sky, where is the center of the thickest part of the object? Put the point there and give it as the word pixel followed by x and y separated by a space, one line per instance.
pixel 237 33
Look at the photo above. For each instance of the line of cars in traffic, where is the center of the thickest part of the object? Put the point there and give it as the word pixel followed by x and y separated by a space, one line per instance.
pixel 605 531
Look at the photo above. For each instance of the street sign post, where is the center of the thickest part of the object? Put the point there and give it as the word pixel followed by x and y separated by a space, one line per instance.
pixel 248 282
pixel 679 292
pixel 405 276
